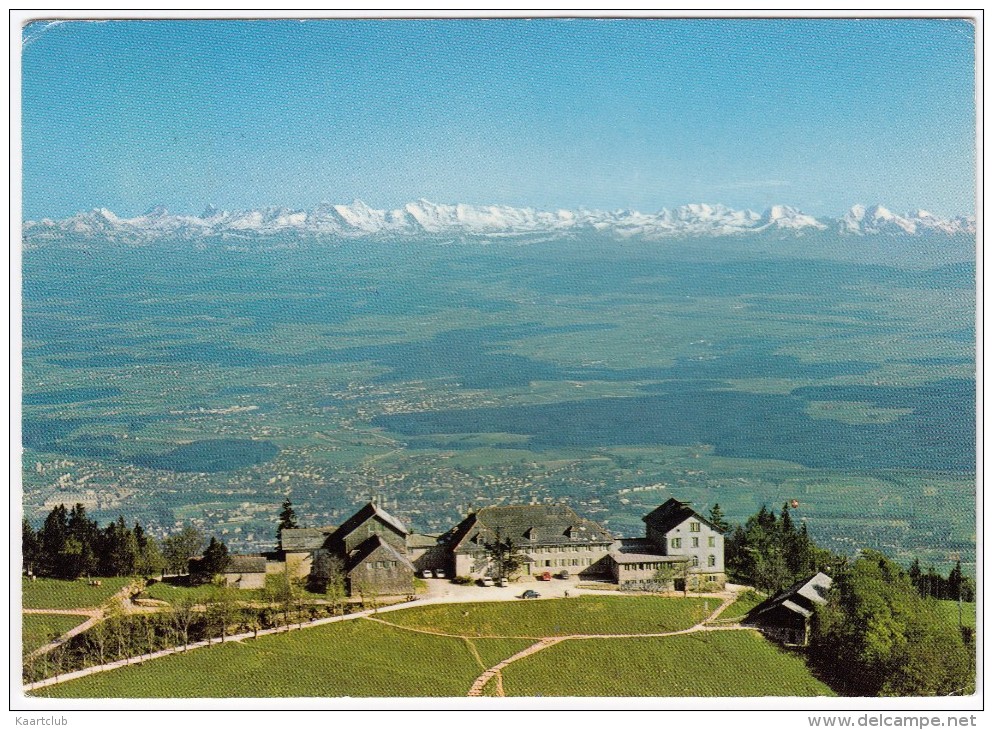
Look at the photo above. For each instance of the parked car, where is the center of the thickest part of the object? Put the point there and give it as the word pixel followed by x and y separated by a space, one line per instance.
pixel 504 582
pixel 564 574
pixel 439 573
pixel 486 581
pixel 545 576
pixel 425 573
pixel 530 594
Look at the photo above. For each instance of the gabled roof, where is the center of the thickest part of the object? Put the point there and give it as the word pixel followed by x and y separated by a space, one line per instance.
pixel 370 546
pixel 305 538
pixel 245 564
pixel 420 540
pixel 368 511
pixel 532 524
pixel 800 598
pixel 640 550
pixel 672 513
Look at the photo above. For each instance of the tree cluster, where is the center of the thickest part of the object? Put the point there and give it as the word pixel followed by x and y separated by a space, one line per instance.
pixel 932 585
pixel 124 636
pixel 877 636
pixel 771 553
pixel 69 545
pixel 214 560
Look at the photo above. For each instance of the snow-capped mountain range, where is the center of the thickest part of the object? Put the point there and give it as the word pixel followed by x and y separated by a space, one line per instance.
pixel 426 218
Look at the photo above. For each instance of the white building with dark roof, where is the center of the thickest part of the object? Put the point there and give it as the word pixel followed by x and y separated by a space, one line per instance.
pixel 681 550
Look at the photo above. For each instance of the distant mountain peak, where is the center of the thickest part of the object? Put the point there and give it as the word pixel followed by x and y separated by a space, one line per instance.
pixel 423 217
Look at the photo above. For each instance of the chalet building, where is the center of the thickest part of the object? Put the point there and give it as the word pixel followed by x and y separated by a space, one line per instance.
pixel 245 571
pixel 681 550
pixel 786 616
pixel 371 545
pixel 552 539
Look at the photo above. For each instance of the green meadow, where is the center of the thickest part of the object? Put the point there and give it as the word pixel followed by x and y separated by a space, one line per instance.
pixel 540 618
pixel 350 659
pixel 54 593
pixel 706 664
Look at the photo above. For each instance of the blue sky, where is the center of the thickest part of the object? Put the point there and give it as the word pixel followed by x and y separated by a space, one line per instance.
pixel 609 114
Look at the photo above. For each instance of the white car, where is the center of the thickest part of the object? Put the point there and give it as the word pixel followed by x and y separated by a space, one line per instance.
pixel 486 581
pixel 439 573
pixel 504 582
pixel 425 573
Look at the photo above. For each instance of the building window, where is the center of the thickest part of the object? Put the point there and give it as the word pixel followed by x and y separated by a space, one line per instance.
pixel 694 527
pixel 711 541
pixel 711 561
pixel 677 542
pixel 696 542
pixel 696 561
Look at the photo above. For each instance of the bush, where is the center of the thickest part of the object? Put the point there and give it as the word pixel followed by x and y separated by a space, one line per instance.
pixel 462 580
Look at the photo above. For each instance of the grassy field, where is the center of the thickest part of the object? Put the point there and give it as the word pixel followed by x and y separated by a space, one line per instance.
pixel 365 659
pixel 52 593
pixel 353 658
pixel 37 629
pixel 950 610
pixel 707 664
pixel 742 605
pixel 581 615
pixel 494 651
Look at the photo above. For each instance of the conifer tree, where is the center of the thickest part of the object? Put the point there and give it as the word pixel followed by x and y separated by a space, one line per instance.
pixel 287 521
pixel 718 520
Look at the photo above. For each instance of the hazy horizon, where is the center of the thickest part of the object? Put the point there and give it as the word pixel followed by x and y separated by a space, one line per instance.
pixel 600 114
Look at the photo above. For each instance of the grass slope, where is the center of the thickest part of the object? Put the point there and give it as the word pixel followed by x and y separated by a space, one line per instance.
pixel 53 593
pixel 39 628
pixel 580 615
pixel 949 610
pixel 706 664
pixel 742 605
pixel 353 658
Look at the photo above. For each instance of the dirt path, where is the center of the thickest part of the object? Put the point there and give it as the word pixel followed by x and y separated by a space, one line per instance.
pixel 95 615
pixel 66 611
pixel 478 686
pixel 373 615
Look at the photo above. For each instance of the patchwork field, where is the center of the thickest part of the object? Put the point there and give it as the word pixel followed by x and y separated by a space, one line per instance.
pixel 179 386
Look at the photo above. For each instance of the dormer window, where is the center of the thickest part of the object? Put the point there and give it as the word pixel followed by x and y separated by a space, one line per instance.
pixel 531 533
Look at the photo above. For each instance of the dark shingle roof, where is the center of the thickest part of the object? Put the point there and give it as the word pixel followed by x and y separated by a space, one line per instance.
pixel 533 524
pixel 800 598
pixel 671 513
pixel 245 564
pixel 368 547
pixel 305 538
pixel 368 511
pixel 420 540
